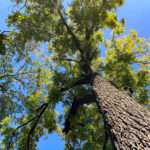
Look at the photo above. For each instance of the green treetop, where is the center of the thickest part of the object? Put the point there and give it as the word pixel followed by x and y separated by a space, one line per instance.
pixel 72 37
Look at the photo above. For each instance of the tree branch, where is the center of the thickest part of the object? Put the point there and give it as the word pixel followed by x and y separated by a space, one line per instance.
pixel 69 59
pixel 77 102
pixel 34 125
pixel 75 39
pixel 23 125
pixel 142 62
pixel 86 79
pixel 24 5
pixel 4 32
pixel 106 137
pixel 13 75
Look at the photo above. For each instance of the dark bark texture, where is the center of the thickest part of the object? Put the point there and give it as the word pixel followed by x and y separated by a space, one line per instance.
pixel 127 122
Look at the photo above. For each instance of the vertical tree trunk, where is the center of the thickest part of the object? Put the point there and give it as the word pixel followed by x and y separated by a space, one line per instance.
pixel 128 122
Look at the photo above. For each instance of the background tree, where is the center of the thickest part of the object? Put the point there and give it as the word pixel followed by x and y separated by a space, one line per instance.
pixel 64 73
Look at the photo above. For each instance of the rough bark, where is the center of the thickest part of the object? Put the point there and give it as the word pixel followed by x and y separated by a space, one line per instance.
pixel 127 122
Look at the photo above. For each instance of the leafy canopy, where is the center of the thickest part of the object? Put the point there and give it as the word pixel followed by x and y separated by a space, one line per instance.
pixel 58 45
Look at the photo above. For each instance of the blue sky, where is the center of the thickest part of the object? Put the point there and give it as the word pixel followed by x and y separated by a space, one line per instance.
pixel 137 16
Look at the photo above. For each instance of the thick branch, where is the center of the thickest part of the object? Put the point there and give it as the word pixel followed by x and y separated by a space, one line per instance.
pixel 87 79
pixel 85 65
pixel 75 39
pixel 77 102
pixel 105 140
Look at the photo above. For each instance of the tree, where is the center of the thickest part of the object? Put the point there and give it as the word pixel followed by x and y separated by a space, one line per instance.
pixel 74 74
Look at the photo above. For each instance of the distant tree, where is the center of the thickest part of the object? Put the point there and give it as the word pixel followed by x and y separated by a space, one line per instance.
pixel 97 92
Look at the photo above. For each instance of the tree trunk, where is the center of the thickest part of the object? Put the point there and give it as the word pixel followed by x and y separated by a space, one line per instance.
pixel 127 122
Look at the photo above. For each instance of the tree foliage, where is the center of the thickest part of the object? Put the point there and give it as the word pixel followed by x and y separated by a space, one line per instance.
pixel 57 44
